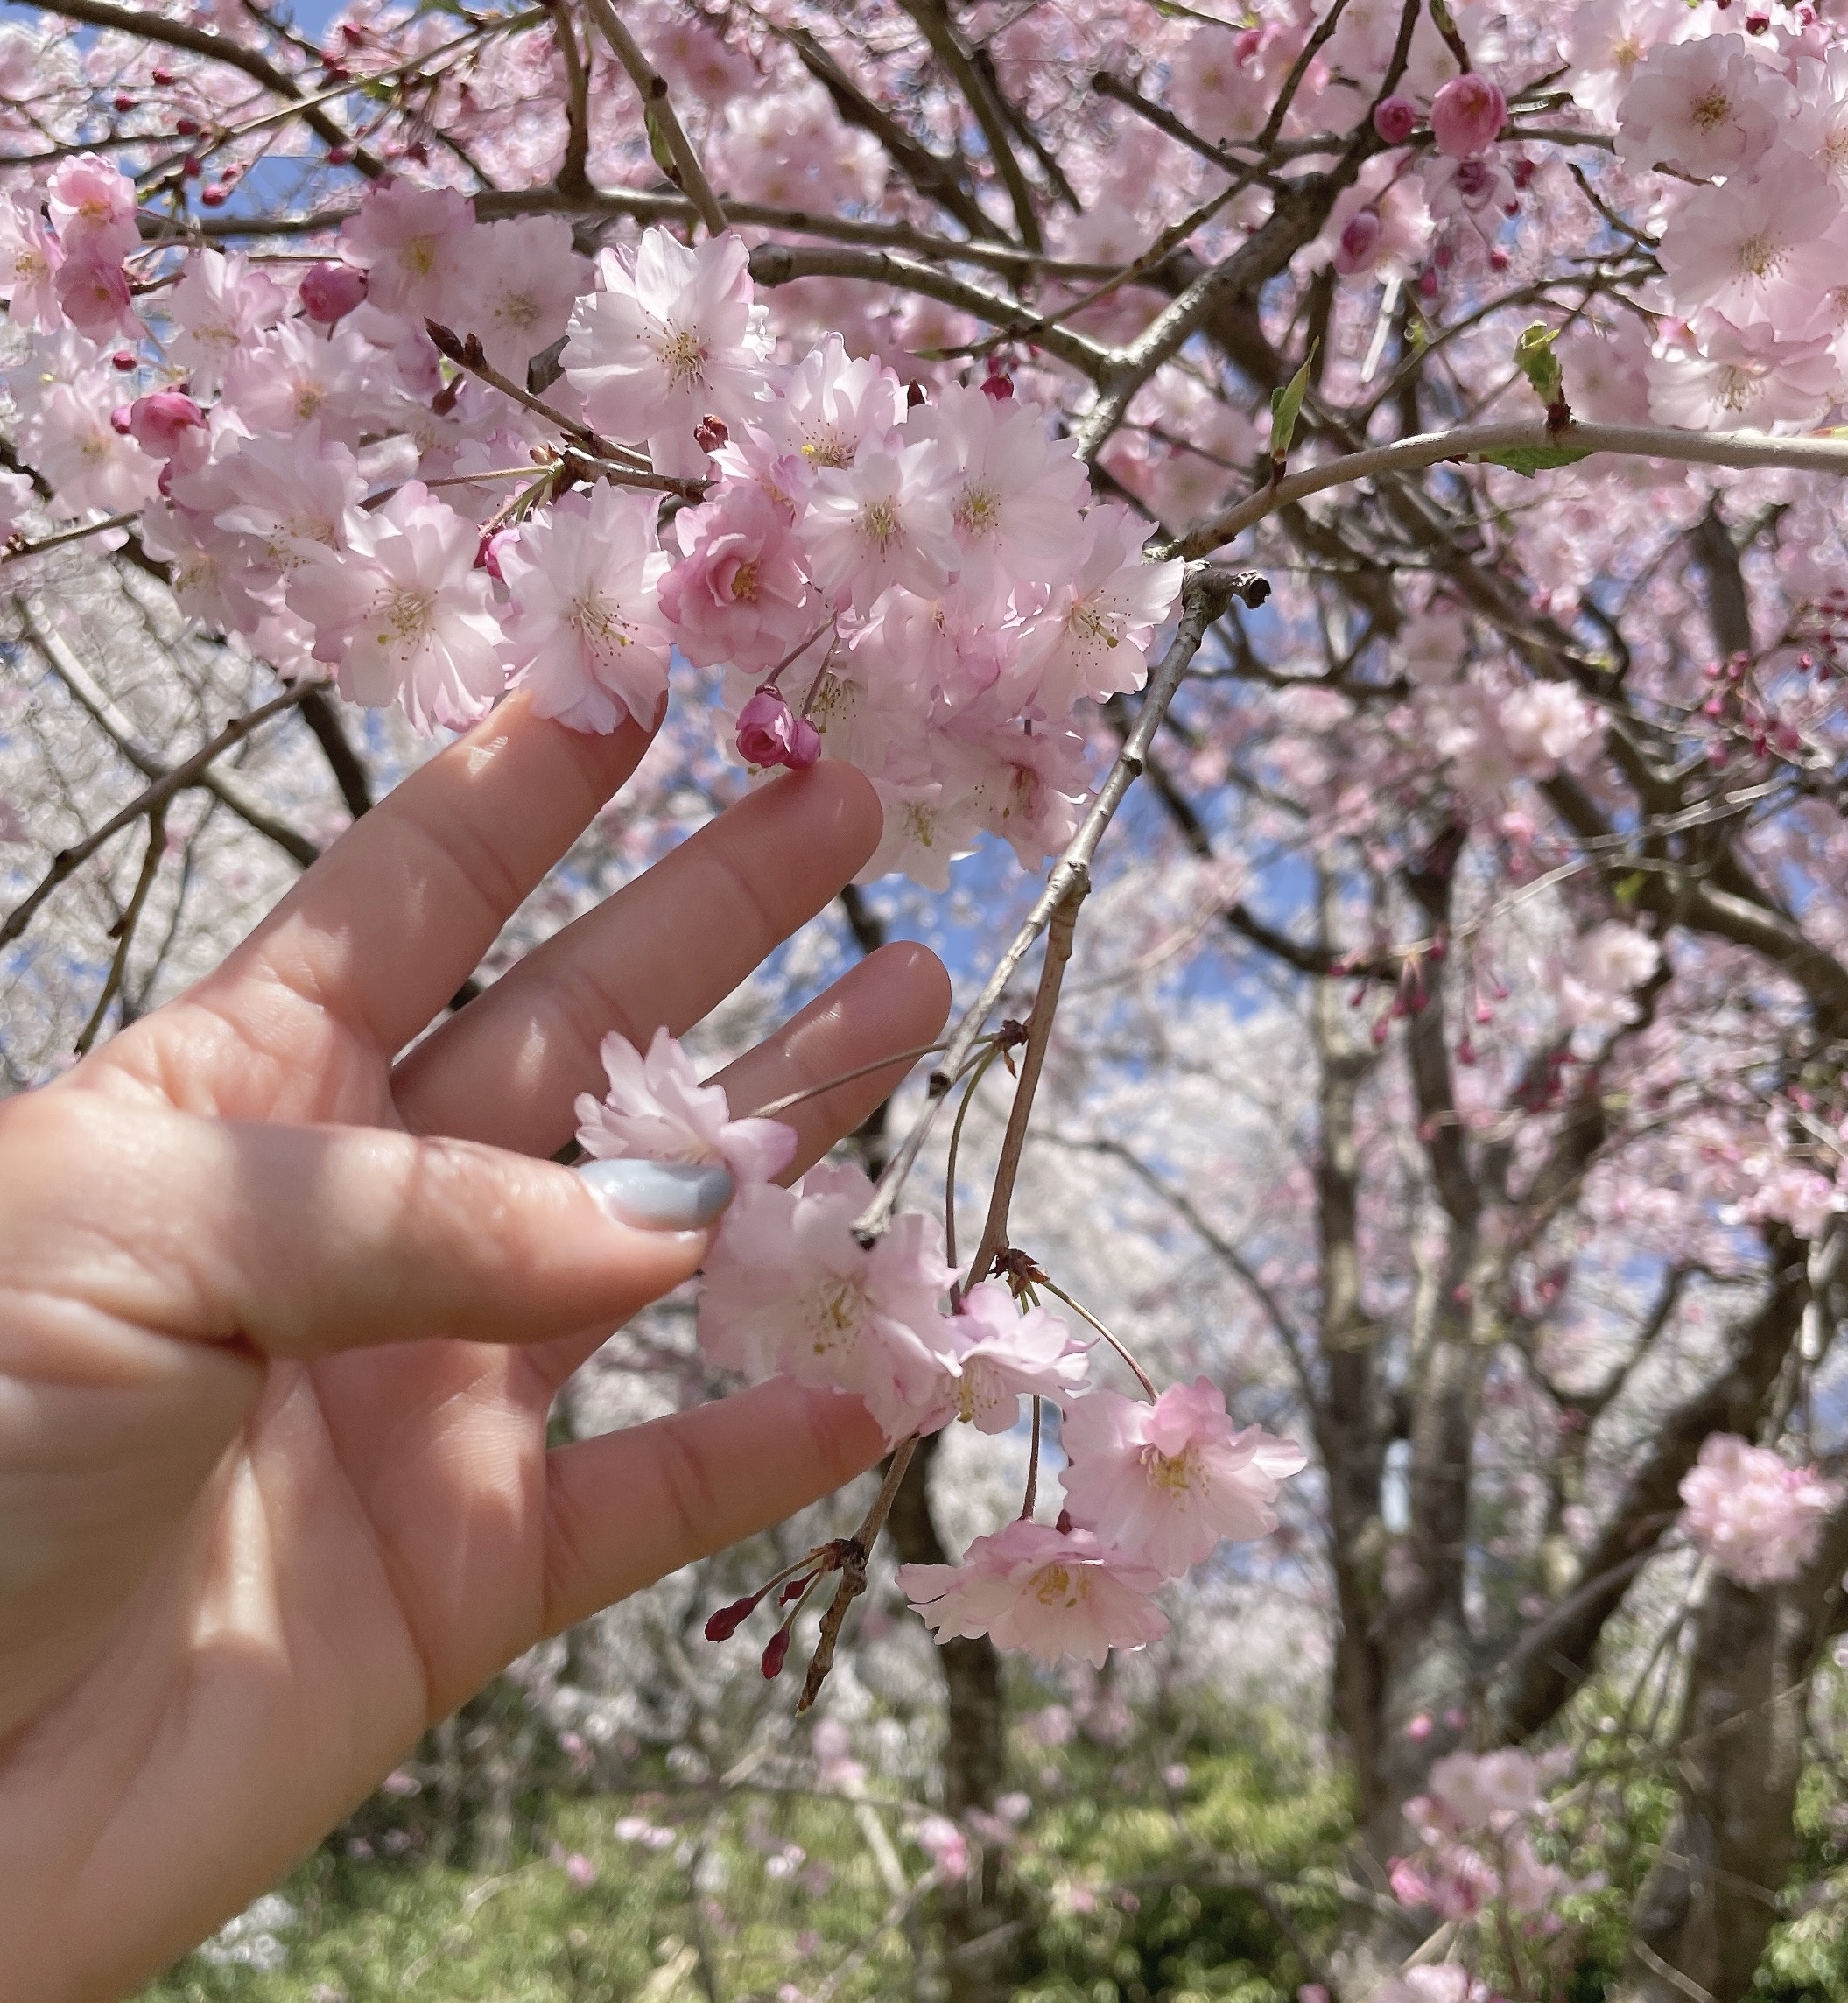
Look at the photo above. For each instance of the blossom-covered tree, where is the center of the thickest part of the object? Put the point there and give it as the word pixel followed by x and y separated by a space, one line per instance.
pixel 1322 518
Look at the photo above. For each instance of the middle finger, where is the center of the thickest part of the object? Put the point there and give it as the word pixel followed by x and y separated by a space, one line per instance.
pixel 664 950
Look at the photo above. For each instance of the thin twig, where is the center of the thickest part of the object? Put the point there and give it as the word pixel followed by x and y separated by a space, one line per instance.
pixel 1060 934
pixel 682 164
pixel 1479 442
pixel 1205 593
pixel 1078 1308
pixel 130 918
pixel 20 552
pixel 853 1573
pixel 783 1105
pixel 192 772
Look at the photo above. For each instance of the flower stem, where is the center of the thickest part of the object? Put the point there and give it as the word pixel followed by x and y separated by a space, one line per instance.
pixel 1078 1307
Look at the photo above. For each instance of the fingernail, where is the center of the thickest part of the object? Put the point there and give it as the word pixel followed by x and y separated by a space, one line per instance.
pixel 660 1196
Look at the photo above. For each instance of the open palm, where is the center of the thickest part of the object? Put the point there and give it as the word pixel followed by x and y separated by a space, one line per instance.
pixel 281 1319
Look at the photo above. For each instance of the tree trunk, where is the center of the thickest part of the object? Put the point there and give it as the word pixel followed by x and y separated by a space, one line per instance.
pixel 1713 1894
pixel 978 1964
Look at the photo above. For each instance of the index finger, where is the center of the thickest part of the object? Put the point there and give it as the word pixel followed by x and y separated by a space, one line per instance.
pixel 397 914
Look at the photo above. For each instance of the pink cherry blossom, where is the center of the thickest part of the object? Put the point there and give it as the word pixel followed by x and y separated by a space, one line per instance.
pixel 93 208
pixel 220 303
pixel 1467 116
pixel 882 521
pixel 330 292
pixel 1606 965
pixel 1756 249
pixel 1015 494
pixel 403 615
pixel 997 1355
pixel 1166 1481
pixel 671 337
pixel 738 593
pixel 585 634
pixel 524 278
pixel 92 293
pixel 1092 641
pixel 1706 106
pixel 656 1110
pixel 789 1289
pixel 30 257
pixel 1757 1517
pixel 770 734
pixel 1048 1592
pixel 410 243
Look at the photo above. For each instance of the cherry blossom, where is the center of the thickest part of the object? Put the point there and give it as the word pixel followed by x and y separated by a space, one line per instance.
pixel 656 1110
pixel 1166 1481
pixel 738 592
pixel 1467 116
pixel 789 1289
pixel 998 1354
pixel 1756 1516
pixel 1707 107
pixel 1051 1592
pixel 585 632
pixel 670 337
pixel 402 614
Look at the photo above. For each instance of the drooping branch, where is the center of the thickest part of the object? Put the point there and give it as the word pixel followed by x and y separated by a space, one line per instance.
pixel 1480 443
pixel 1205 595
pixel 682 161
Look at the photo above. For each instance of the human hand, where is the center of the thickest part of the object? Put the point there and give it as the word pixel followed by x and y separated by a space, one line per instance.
pixel 281 1321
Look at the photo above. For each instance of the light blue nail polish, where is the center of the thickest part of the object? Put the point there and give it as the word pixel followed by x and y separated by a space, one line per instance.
pixel 660 1196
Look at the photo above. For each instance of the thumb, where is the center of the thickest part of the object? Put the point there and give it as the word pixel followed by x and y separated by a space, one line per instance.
pixel 303 1241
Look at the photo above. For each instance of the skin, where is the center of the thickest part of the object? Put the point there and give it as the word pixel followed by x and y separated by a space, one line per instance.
pixel 282 1313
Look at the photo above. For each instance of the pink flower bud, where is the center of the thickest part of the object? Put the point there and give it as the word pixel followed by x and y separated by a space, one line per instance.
pixel 123 359
pixel 1359 239
pixel 769 735
pixel 329 292
pixel 487 557
pixel 1467 116
pixel 167 425
pixel 710 433
pixel 1393 118
pixel 119 420
pixel 722 1626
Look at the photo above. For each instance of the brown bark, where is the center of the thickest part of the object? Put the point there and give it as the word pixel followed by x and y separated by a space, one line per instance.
pixel 1713 1894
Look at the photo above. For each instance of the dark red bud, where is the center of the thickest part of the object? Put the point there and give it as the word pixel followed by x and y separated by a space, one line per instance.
pixel 214 194
pixel 339 156
pixel 722 1626
pixel 192 167
pixel 123 101
pixel 710 433
pixel 163 77
pixel 186 127
pixel 998 386
pixel 916 394
pixel 794 1590
pixel 776 1654
pixel 122 359
pixel 1064 1524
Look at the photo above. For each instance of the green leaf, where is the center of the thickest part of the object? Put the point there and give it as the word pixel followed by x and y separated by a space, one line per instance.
pixel 1528 459
pixel 1286 406
pixel 1535 358
pixel 657 144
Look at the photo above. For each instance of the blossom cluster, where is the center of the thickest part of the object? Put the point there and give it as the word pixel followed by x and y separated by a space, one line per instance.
pixel 1758 1518
pixel 1476 1823
pixel 1151 1486
pixel 918 584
